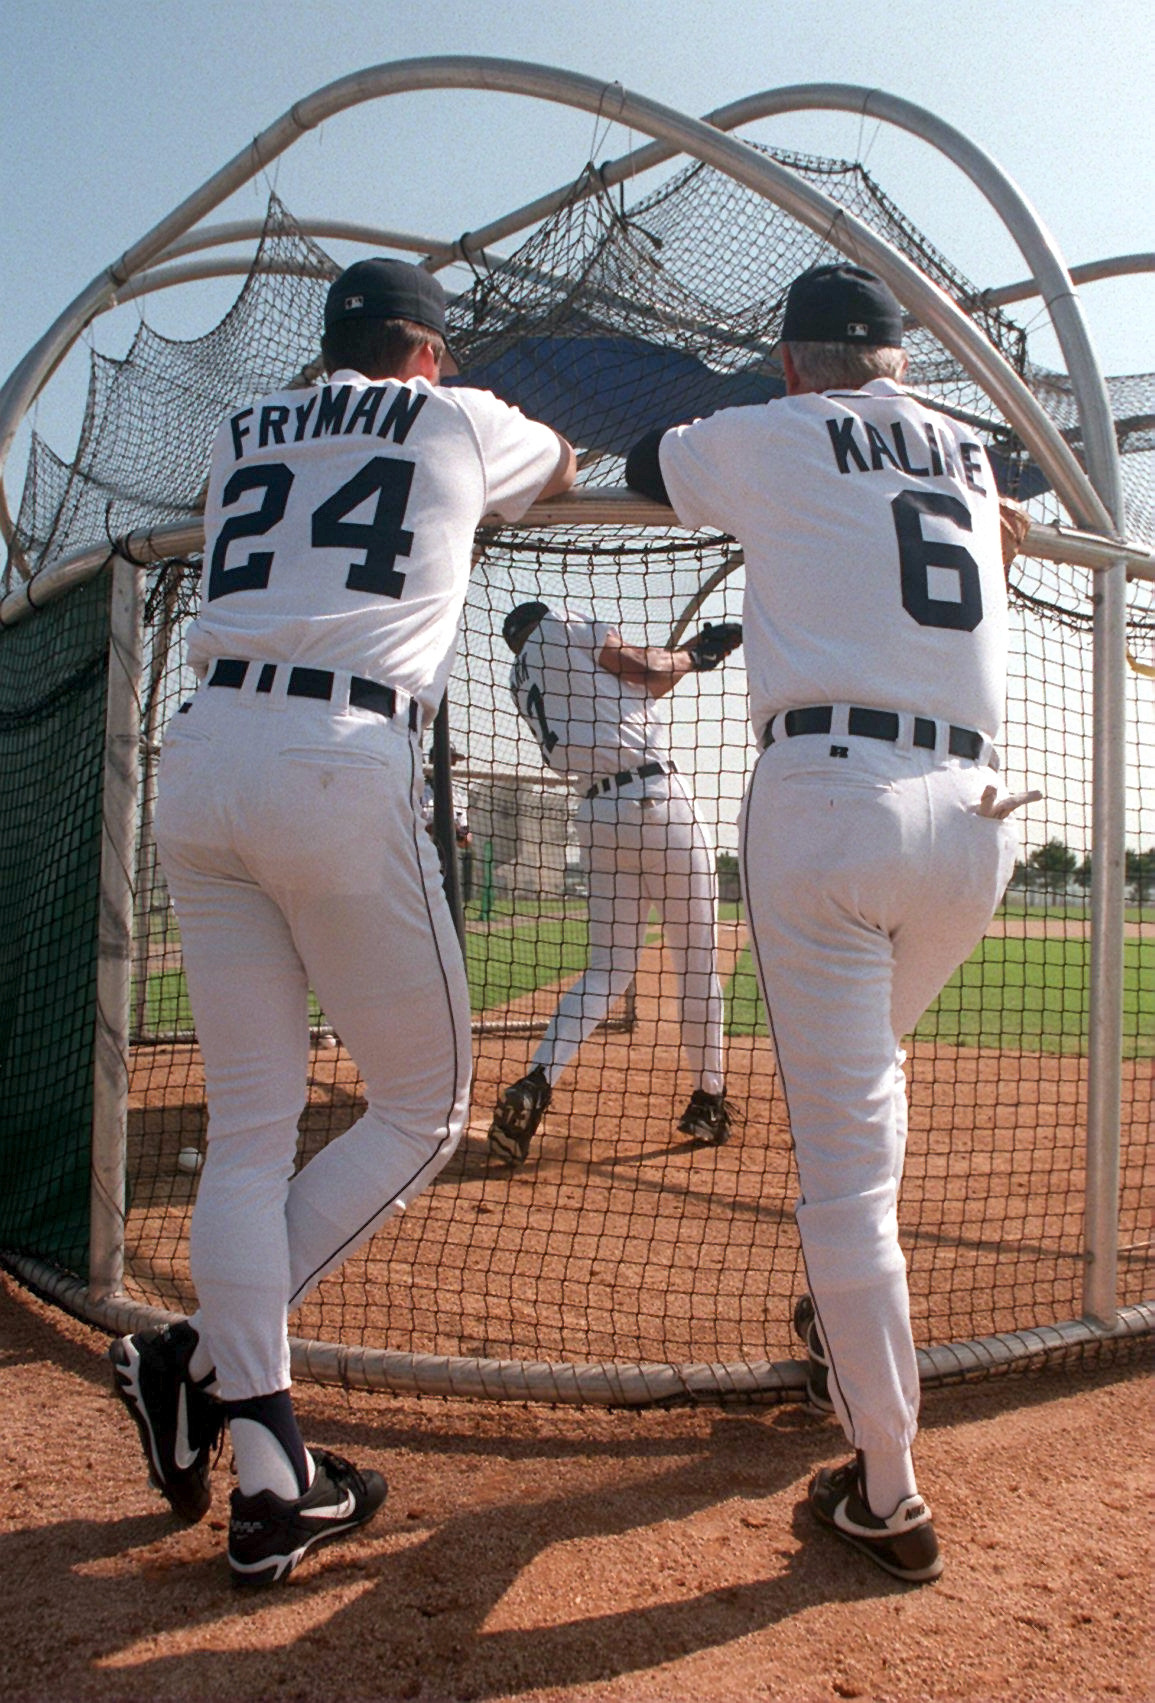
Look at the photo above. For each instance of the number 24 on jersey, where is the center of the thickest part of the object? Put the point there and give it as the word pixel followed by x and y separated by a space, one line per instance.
pixel 378 542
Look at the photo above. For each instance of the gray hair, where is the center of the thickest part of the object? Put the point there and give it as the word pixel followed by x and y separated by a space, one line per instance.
pixel 841 366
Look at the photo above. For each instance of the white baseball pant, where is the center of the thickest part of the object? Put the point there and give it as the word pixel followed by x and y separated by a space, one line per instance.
pixel 293 846
pixel 640 851
pixel 868 879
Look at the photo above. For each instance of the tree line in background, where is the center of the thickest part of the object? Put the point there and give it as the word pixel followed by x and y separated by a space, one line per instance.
pixel 1050 870
pixel 1055 868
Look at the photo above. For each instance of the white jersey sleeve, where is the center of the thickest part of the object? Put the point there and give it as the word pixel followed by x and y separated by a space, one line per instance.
pixel 870 526
pixel 586 720
pixel 503 435
pixel 340 520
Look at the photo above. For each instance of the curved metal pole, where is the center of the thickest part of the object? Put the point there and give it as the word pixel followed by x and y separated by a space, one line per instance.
pixel 609 101
pixel 162 276
pixel 1021 221
pixel 1097 504
pixel 1051 276
pixel 241 230
pixel 735 559
pixel 441 252
pixel 602 506
pixel 252 230
pixel 216 266
pixel 1118 266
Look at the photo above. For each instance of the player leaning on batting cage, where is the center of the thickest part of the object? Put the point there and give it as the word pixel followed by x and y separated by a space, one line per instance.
pixel 338 532
pixel 874 848
pixel 590 701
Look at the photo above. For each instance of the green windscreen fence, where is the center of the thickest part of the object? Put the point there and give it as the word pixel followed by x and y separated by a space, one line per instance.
pixel 52 689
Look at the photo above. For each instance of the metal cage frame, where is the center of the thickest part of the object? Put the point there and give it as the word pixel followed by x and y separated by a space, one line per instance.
pixel 1092 499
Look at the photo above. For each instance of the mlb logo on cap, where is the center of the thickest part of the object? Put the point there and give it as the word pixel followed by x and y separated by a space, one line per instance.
pixel 389 289
pixel 842 304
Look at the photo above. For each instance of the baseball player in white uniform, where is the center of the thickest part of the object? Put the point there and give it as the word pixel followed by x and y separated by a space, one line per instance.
pixel 338 532
pixel 874 846
pixel 591 703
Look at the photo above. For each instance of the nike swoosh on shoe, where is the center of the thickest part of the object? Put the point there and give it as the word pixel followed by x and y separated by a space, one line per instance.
pixel 183 1454
pixel 335 1511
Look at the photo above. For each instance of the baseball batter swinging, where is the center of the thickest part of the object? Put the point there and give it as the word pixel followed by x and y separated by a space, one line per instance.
pixel 874 846
pixel 589 700
pixel 338 532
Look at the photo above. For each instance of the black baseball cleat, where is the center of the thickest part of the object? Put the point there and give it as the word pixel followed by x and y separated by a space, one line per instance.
pixel 179 1424
pixel 904 1544
pixel 818 1367
pixel 268 1536
pixel 707 1118
pixel 517 1115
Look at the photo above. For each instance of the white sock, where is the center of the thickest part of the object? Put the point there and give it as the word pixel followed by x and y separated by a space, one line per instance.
pixel 888 1479
pixel 262 1464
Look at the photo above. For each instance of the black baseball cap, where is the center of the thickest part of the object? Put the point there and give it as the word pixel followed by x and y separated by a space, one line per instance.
pixel 388 289
pixel 842 304
pixel 518 624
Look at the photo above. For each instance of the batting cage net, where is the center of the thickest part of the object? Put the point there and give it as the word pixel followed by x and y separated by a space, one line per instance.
pixel 622 1243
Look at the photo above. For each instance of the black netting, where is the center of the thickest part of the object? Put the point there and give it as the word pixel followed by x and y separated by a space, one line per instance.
pixel 621 1240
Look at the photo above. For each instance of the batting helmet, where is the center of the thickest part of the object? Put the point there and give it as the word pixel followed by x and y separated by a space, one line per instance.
pixel 520 622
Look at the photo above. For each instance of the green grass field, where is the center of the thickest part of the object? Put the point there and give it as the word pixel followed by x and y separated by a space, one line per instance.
pixel 513 957
pixel 1021 993
pixel 502 962
pixel 167 1004
pixel 1029 995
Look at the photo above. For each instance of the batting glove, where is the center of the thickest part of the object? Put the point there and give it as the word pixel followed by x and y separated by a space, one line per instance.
pixel 713 645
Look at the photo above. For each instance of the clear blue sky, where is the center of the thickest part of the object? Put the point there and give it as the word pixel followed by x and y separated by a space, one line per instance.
pixel 112 112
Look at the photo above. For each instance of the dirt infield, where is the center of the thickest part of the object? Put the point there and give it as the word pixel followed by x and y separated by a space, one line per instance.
pixel 528 1552
pixel 607 1556
pixel 623 1241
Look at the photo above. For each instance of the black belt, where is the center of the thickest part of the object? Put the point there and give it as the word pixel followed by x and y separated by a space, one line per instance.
pixel 314 683
pixel 625 776
pixel 877 724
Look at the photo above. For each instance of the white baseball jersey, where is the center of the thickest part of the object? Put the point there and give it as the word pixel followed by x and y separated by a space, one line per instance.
pixel 641 843
pixel 885 517
pixel 586 720
pixel 340 520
